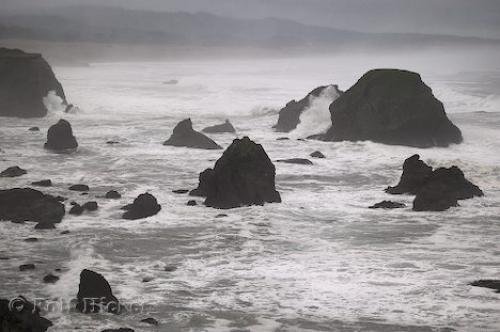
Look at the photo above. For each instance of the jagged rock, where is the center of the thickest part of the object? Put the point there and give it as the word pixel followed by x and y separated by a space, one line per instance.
pixel 34 129
pixel 150 321
pixel 60 137
pixel 25 79
pixel 94 294
pixel 26 267
pixel 42 183
pixel 289 116
pixel 79 187
pixel 205 181
pixel 391 106
pixel 26 204
pixel 225 127
pixel 443 189
pixel 388 205
pixel 20 315
pixel 113 194
pixel 298 161
pixel 244 175
pixel 185 135
pixel 50 279
pixel 12 172
pixel 415 174
pixel 145 205
pixel 487 283
pixel 191 202
pixel 317 154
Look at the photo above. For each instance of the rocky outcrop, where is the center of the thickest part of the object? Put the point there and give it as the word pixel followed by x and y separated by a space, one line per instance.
pixel 225 127
pixel 387 205
pixel 145 205
pixel 26 204
pixel 443 189
pixel 20 315
pixel 298 161
pixel 204 183
pixel 487 283
pixel 94 294
pixel 60 137
pixel 184 135
pixel 243 176
pixel 12 172
pixel 289 116
pixel 415 173
pixel 391 106
pixel 317 154
pixel 25 79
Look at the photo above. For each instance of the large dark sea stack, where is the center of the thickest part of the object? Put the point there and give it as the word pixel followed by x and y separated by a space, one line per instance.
pixel 20 315
pixel 60 137
pixel 243 176
pixel 145 205
pixel 94 294
pixel 393 107
pixel 185 135
pixel 415 173
pixel 225 127
pixel 289 116
pixel 26 204
pixel 443 189
pixel 25 79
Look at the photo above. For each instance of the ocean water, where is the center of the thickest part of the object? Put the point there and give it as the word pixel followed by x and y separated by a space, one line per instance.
pixel 319 261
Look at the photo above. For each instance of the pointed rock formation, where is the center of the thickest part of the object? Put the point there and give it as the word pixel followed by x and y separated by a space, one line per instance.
pixel 243 176
pixel 415 173
pixel 289 116
pixel 12 172
pixel 391 106
pixel 60 137
pixel 185 135
pixel 94 294
pixel 225 127
pixel 25 79
pixel 205 182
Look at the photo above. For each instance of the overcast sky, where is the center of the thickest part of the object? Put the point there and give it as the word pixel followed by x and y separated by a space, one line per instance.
pixel 459 17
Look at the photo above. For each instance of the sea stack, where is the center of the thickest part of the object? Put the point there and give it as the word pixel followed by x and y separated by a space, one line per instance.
pixel 243 176
pixel 225 127
pixel 60 137
pixel 289 116
pixel 94 294
pixel 25 79
pixel 391 106
pixel 185 135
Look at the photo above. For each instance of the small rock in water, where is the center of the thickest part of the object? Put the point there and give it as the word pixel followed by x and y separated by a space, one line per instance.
pixel 76 210
pixel 298 161
pixel 317 154
pixel 113 194
pixel 79 187
pixel 191 202
pixel 121 329
pixel 26 267
pixel 90 206
pixel 225 127
pixel 171 82
pixel 42 183
pixel 282 139
pixel 13 172
pixel 50 279
pixel 45 225
pixel 147 279
pixel 145 205
pixel 112 142
pixel 31 239
pixel 34 129
pixel 388 205
pixel 64 232
pixel 221 215
pixel 180 191
pixel 487 283
pixel 150 321
pixel 60 137
pixel 170 268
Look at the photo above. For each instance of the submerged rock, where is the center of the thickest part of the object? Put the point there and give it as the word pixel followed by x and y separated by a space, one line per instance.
pixel 26 267
pixel 34 129
pixel 388 205
pixel 50 279
pixel 180 191
pixel 185 135
pixel 298 161
pixel 90 206
pixel 487 283
pixel 415 174
pixel 191 202
pixel 391 106
pixel 443 189
pixel 243 176
pixel 289 116
pixel 26 204
pixel 20 315
pixel 94 294
pixel 45 225
pixel 317 154
pixel 76 210
pixel 42 183
pixel 205 181
pixel 113 194
pixel 150 321
pixel 121 329
pixel 25 80
pixel 145 205
pixel 13 172
pixel 79 187
pixel 225 127
pixel 60 137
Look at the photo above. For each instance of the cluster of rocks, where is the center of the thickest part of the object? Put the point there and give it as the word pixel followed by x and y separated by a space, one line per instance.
pixel 434 190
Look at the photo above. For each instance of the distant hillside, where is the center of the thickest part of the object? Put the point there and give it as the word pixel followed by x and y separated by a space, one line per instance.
pixel 115 25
